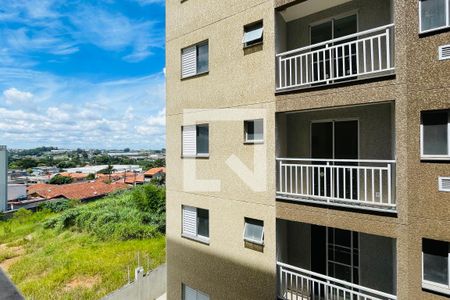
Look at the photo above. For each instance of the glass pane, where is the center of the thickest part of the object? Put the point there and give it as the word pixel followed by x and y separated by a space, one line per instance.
pixel 203 222
pixel 250 130
pixel 435 261
pixel 435 133
pixel 202 139
pixel 254 230
pixel 321 33
pixel 343 272
pixel 343 237
pixel 202 58
pixel 433 14
pixel 342 255
pixel 254 130
pixel 189 293
pixel 345 26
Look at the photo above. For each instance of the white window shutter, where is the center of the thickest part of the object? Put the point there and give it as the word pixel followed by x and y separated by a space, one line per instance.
pixel 189 61
pixel 189 220
pixel 189 140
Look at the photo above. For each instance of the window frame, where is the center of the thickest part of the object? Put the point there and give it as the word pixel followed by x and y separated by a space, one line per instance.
pixel 254 141
pixel 197 73
pixel 197 237
pixel 434 286
pixel 424 156
pixel 197 154
pixel 447 19
pixel 250 27
pixel 246 239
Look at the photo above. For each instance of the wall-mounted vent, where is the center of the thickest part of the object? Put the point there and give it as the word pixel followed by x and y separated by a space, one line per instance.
pixel 444 52
pixel 444 184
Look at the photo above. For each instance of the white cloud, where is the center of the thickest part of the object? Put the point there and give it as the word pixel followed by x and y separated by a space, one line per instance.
pixel 13 95
pixel 43 28
pixel 75 113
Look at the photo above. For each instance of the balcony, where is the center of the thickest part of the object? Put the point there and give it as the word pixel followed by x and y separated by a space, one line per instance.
pixel 296 283
pixel 321 43
pixel 338 157
pixel 317 262
pixel 364 184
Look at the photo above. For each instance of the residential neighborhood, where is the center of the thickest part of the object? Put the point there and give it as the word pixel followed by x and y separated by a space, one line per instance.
pixel 29 189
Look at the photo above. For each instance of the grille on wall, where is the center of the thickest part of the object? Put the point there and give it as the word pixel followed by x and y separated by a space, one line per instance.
pixel 444 184
pixel 444 52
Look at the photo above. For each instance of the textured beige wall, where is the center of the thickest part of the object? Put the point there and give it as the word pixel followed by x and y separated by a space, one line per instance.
pixel 237 79
pixel 421 83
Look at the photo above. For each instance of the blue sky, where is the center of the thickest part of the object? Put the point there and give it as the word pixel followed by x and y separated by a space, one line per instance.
pixel 86 74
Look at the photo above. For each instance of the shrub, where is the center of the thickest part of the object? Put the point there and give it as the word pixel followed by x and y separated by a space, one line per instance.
pixel 135 214
pixel 22 213
pixel 55 206
pixel 59 179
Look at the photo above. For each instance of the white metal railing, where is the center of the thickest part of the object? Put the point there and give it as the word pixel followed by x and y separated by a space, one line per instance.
pixel 299 284
pixel 361 55
pixel 366 184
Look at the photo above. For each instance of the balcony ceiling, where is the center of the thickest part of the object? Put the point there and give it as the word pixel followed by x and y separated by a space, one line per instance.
pixel 310 7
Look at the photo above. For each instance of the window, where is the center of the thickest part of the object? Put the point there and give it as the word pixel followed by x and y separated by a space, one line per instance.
pixel 435 134
pixel 254 131
pixel 434 14
pixel 254 231
pixel 194 60
pixel 435 269
pixel 196 223
pixel 193 294
pixel 253 34
pixel 195 140
pixel 343 255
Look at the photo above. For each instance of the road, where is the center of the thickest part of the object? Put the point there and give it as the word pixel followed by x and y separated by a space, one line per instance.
pixel 8 290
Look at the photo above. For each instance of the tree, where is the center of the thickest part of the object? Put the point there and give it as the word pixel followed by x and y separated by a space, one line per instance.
pixel 91 176
pixel 126 150
pixel 59 179
pixel 66 164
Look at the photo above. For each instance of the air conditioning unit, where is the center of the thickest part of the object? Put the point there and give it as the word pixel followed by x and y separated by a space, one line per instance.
pixel 444 184
pixel 444 52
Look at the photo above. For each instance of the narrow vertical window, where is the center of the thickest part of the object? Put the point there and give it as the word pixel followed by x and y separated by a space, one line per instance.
pixel 195 60
pixel 254 231
pixel 195 223
pixel 254 131
pixel 195 140
pixel 253 34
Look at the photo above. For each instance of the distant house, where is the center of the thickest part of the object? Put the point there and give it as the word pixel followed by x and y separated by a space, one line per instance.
pixel 154 173
pixel 16 191
pixel 134 179
pixel 82 191
pixel 75 176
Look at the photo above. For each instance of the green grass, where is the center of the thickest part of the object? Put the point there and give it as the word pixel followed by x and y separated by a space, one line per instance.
pixel 75 261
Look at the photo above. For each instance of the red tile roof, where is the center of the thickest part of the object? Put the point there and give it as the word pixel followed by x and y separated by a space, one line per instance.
pixel 154 171
pixel 130 179
pixel 77 176
pixel 82 191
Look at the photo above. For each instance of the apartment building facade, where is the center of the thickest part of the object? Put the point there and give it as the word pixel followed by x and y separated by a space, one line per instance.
pixel 308 149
